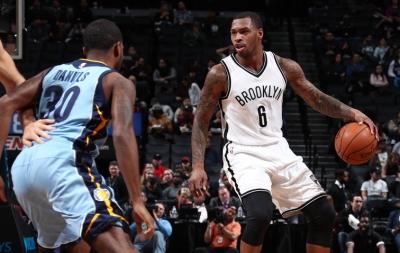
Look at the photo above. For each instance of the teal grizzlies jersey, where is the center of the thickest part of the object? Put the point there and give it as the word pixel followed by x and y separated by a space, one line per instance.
pixel 73 96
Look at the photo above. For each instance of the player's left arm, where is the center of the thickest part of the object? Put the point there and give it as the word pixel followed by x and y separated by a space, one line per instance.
pixel 318 100
pixel 9 75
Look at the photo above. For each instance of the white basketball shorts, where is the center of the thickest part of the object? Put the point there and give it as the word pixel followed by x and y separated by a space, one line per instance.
pixel 274 169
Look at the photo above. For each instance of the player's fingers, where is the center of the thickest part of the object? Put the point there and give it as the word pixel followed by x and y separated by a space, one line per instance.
pixel 147 234
pixel 26 142
pixel 44 134
pixel 46 121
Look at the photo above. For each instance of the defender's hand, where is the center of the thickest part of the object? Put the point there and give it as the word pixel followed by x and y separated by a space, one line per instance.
pixel 140 214
pixel 33 131
pixel 198 177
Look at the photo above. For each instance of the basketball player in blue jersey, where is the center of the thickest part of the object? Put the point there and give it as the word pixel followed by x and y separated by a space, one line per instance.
pixel 249 86
pixel 57 183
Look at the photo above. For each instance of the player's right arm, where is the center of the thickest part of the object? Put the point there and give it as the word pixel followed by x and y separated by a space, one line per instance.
pixel 214 87
pixel 123 95
pixel 25 95
pixel 9 75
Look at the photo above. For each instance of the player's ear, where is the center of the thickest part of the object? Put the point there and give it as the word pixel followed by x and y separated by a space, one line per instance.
pixel 84 52
pixel 260 32
pixel 117 49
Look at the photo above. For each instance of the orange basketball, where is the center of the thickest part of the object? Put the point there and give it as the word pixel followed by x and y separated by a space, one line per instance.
pixel 355 144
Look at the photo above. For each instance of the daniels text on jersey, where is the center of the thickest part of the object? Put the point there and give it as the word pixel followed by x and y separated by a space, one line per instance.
pixel 70 76
pixel 266 91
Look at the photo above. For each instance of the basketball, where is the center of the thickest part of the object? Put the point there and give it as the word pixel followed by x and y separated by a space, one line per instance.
pixel 355 144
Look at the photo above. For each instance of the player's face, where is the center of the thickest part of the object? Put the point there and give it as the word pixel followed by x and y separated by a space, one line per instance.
pixel 245 37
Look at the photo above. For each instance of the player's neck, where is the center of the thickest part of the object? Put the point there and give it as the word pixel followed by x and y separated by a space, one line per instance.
pixel 101 57
pixel 253 62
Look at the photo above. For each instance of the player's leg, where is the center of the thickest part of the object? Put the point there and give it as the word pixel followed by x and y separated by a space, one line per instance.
pixel 113 240
pixel 258 217
pixel 321 217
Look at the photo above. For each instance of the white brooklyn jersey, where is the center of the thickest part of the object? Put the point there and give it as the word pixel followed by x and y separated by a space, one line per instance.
pixel 252 107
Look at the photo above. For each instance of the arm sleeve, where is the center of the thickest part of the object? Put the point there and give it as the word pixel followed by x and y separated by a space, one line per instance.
pixel 389 224
pixel 172 75
pixel 164 227
pixel 237 229
pixel 390 69
pixel 350 238
pixel 156 76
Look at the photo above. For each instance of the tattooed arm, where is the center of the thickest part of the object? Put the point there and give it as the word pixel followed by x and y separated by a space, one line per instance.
pixel 214 87
pixel 318 100
pixel 123 95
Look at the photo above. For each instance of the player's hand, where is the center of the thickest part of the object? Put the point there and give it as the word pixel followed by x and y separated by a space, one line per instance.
pixel 362 118
pixel 2 190
pixel 140 214
pixel 33 131
pixel 198 177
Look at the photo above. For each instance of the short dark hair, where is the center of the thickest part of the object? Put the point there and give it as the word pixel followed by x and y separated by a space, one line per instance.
pixel 339 172
pixel 101 35
pixel 113 163
pixel 355 195
pixel 255 18
pixel 152 181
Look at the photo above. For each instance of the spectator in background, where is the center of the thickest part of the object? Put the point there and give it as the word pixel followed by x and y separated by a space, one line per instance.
pixel 382 51
pixel 393 124
pixel 117 183
pixel 225 51
pixel 210 63
pixel 393 227
pixel 394 69
pixel 164 77
pixel 225 200
pixel 147 173
pixel 392 167
pixel 346 51
pixel 185 120
pixel 381 133
pixel 59 32
pixel 336 71
pixel 182 16
pixel 179 111
pixel 353 70
pixel 381 155
pixel 165 108
pixel 159 168
pixel 159 124
pixel 328 47
pixel 84 13
pixel 152 191
pixel 375 186
pixel 198 202
pixel 163 230
pixel 188 89
pixel 215 124
pixel 186 170
pixel 321 28
pixel 211 26
pixel 54 12
pixel 365 240
pixel 378 80
pixel 345 28
pixel 356 209
pixel 37 11
pixel 183 197
pixel 131 59
pixel 194 37
pixel 76 32
pixel 392 10
pixel 37 31
pixel 367 49
pixel 167 180
pixel 338 190
pixel 211 155
pixel 163 17
pixel 172 191
pixel 222 237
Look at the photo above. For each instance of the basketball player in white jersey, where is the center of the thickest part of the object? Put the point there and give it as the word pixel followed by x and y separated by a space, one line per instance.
pixel 249 86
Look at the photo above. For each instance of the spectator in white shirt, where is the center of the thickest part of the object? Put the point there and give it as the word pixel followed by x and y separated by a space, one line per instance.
pixel 374 186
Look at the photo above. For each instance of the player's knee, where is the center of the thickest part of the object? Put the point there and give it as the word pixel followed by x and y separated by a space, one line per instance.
pixel 259 214
pixel 321 216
